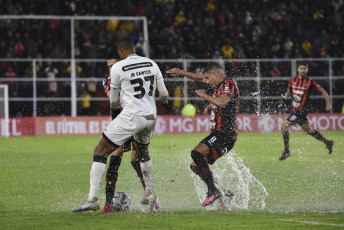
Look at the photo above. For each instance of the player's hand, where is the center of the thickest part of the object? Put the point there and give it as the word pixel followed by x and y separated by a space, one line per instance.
pixel 168 105
pixel 328 108
pixel 201 92
pixel 175 72
pixel 106 84
pixel 206 109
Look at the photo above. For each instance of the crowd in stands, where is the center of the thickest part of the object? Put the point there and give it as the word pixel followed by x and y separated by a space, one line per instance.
pixel 177 29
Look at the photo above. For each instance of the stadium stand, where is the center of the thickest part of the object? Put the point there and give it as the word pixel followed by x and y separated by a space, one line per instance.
pixel 177 29
pixel 249 29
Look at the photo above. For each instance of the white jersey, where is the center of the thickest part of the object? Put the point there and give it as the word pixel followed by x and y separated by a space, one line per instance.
pixel 137 79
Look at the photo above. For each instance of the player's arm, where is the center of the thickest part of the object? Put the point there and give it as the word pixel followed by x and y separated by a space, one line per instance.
pixel 221 101
pixel 175 72
pixel 106 85
pixel 206 109
pixel 114 98
pixel 163 93
pixel 327 99
pixel 286 95
pixel 114 88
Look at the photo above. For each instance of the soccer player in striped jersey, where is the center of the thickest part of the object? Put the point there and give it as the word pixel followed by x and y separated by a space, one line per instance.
pixel 300 87
pixel 224 111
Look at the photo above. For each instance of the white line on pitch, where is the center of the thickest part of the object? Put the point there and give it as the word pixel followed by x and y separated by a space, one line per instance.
pixel 313 222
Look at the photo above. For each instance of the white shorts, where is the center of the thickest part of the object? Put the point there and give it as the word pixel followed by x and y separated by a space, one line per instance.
pixel 123 128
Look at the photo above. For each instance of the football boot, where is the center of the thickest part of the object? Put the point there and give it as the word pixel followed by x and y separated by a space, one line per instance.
pixel 87 206
pixel 211 198
pixel 329 146
pixel 285 155
pixel 107 208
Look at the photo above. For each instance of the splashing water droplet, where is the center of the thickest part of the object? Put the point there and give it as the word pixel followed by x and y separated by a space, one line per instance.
pixel 232 174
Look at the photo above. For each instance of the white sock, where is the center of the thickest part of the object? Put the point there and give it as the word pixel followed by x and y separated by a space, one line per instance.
pixel 96 176
pixel 147 172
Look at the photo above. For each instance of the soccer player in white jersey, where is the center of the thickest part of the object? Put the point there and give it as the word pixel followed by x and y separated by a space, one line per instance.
pixel 116 156
pixel 136 78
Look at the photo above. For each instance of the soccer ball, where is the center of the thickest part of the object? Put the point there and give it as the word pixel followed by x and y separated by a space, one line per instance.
pixel 120 202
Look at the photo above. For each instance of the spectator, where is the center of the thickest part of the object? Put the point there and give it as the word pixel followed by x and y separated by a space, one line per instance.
pixel 52 107
pixel 227 51
pixel 306 46
pixel 288 46
pixel 177 29
pixel 51 71
pixel 249 28
pixel 177 102
pixel 11 82
pixel 180 17
pixel 85 104
pixel 19 49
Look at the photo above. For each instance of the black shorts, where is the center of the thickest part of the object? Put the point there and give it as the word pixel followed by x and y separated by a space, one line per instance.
pixel 298 117
pixel 219 144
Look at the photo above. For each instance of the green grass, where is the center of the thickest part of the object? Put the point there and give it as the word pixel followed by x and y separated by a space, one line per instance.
pixel 42 178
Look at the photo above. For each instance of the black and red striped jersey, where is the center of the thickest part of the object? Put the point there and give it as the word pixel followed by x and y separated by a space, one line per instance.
pixel 223 119
pixel 300 90
pixel 108 82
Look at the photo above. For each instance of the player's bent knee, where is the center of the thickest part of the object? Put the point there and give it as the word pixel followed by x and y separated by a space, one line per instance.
pixel 196 156
pixel 142 152
pixel 308 131
pixel 99 158
pixel 144 158
pixel 285 127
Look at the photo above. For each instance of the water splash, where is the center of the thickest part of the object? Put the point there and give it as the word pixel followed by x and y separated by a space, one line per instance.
pixel 232 174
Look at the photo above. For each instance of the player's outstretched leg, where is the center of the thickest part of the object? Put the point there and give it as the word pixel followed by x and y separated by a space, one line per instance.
pixel 329 146
pixel 136 165
pixel 149 196
pixel 286 152
pixel 318 136
pixel 226 195
pixel 111 180
pixel 206 175
pixel 147 173
pixel 96 175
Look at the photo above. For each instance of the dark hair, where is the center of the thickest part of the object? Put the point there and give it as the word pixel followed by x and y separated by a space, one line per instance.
pixel 303 63
pixel 125 43
pixel 113 55
pixel 211 66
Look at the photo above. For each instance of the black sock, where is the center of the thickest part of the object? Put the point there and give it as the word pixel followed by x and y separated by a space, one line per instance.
pixel 203 170
pixel 136 165
pixel 195 169
pixel 286 140
pixel 318 136
pixel 111 177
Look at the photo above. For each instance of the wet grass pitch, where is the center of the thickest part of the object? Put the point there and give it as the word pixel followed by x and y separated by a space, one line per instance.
pixel 42 178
